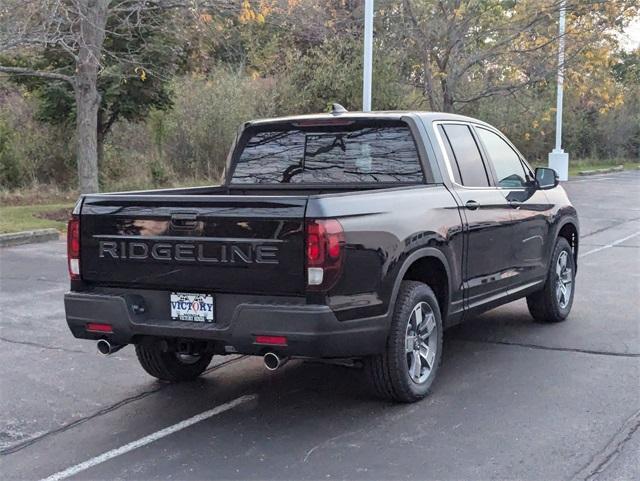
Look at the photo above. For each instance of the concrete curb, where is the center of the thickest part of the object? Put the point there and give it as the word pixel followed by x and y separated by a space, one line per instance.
pixel 617 168
pixel 28 237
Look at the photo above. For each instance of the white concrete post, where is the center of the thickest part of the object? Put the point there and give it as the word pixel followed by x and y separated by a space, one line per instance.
pixel 558 158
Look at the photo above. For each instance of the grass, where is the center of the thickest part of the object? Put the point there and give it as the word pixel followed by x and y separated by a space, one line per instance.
pixel 17 218
pixel 37 194
pixel 578 165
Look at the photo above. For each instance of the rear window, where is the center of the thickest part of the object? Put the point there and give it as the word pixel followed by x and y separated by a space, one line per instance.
pixel 355 153
pixel 467 158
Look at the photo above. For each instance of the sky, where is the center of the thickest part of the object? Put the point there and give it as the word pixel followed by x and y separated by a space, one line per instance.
pixel 631 36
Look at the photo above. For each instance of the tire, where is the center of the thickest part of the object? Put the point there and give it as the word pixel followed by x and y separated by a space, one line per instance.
pixel 392 374
pixel 553 303
pixel 171 366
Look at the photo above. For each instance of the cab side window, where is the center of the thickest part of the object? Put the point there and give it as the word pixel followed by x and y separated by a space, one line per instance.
pixel 467 165
pixel 455 169
pixel 506 162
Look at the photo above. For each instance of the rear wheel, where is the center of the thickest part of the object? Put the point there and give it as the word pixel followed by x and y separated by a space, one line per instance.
pixel 171 366
pixel 553 302
pixel 408 366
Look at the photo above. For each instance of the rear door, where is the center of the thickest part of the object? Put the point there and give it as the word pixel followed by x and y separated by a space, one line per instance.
pixel 234 244
pixel 487 273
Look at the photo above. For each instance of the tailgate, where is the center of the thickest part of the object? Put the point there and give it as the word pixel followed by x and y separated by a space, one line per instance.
pixel 230 244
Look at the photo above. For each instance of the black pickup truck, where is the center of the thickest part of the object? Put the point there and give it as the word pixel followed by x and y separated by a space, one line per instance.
pixel 338 236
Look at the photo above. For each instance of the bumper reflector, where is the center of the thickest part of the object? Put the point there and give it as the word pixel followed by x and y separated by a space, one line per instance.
pixel 272 340
pixel 97 327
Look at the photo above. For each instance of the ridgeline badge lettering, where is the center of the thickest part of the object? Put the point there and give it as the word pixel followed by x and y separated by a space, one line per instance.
pixel 211 253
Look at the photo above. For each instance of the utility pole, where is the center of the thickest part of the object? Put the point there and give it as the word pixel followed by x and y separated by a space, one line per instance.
pixel 368 56
pixel 558 158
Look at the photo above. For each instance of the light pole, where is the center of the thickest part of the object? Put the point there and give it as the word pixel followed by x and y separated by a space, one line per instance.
pixel 368 56
pixel 558 158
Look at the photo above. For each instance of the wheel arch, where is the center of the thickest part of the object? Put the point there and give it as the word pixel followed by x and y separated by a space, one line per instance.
pixel 568 229
pixel 428 265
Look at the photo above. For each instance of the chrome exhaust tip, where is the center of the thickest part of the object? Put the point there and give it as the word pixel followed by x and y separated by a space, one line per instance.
pixel 105 347
pixel 273 362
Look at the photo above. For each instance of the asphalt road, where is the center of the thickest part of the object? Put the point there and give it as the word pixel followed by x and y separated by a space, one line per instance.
pixel 514 399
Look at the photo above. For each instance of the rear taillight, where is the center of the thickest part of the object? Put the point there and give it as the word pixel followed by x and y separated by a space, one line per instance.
pixel 325 253
pixel 73 247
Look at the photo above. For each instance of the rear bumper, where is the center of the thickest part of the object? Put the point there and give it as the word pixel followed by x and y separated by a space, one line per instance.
pixel 311 330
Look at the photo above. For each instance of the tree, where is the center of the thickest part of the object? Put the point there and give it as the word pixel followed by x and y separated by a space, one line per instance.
pixel 127 91
pixel 332 72
pixel 462 51
pixel 79 28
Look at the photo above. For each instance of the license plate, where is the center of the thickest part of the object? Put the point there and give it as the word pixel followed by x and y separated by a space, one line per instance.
pixel 191 307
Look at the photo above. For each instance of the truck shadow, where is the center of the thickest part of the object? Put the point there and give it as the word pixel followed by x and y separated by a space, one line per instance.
pixel 318 383
pixel 507 324
pixel 308 415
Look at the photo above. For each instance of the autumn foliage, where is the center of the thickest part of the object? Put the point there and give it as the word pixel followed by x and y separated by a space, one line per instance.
pixel 175 83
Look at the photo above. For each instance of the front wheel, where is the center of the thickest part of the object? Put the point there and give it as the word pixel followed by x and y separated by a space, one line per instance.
pixel 171 366
pixel 406 369
pixel 553 302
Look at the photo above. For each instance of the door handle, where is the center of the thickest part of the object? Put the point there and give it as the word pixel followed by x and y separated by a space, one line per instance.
pixel 472 205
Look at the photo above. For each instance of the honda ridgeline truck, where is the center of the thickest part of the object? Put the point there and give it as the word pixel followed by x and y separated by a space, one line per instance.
pixel 338 236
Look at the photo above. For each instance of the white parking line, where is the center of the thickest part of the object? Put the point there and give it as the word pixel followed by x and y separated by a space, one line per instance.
pixel 613 244
pixel 78 468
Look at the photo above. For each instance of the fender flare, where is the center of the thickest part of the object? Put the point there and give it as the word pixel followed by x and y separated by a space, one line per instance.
pixel 411 258
pixel 567 220
pixel 556 232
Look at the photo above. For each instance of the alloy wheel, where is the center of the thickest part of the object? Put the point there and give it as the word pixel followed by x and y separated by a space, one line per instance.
pixel 564 280
pixel 421 342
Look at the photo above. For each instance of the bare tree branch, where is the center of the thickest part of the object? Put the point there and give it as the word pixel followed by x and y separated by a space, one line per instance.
pixel 37 73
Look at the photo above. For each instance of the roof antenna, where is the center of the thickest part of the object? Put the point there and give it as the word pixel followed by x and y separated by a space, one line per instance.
pixel 337 109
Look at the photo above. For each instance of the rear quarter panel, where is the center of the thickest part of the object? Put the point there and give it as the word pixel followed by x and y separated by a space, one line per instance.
pixel 382 229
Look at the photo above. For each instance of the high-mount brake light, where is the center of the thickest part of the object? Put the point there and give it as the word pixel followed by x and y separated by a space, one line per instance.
pixel 322 122
pixel 325 253
pixel 73 247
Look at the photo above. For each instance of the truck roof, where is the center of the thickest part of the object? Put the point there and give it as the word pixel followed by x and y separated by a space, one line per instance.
pixel 386 114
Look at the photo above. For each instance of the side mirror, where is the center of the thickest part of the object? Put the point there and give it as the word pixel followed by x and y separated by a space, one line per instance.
pixel 546 178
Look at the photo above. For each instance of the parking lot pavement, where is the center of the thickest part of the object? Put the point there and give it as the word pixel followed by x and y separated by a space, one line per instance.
pixel 514 399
